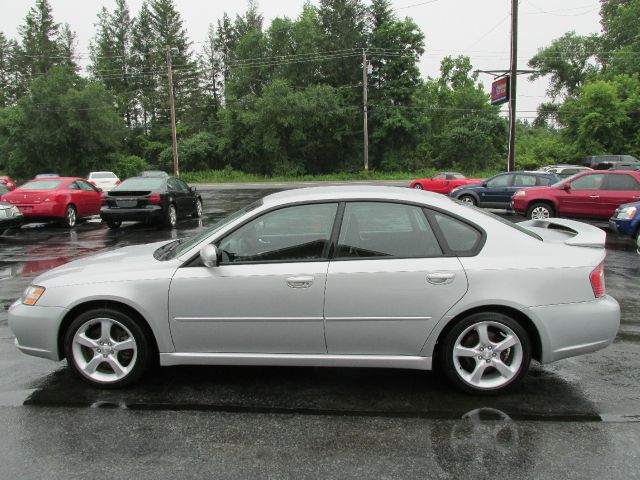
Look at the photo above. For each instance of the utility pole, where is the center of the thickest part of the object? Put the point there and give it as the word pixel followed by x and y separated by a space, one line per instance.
pixel 172 113
pixel 365 87
pixel 512 86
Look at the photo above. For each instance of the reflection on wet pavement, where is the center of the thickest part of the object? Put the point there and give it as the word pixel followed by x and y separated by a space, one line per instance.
pixel 318 391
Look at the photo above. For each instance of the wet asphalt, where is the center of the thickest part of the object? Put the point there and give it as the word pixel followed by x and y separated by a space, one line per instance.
pixel 577 418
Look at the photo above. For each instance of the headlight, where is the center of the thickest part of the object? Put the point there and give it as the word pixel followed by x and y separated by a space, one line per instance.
pixel 15 211
pixel 32 294
pixel 454 190
pixel 519 193
pixel 626 213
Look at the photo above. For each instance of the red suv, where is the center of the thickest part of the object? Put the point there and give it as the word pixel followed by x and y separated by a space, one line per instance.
pixel 594 194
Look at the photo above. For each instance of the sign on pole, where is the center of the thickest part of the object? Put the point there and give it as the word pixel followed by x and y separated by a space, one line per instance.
pixel 500 91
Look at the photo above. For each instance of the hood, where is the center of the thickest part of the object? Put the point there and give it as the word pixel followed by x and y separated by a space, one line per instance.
pixel 124 264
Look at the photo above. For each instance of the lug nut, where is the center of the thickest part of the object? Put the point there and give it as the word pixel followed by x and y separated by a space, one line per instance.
pixel 105 356
pixel 98 350
pixel 482 349
pixel 495 355
pixel 489 347
pixel 479 357
pixel 487 360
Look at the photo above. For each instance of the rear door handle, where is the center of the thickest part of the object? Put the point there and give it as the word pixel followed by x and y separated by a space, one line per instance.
pixel 303 281
pixel 636 197
pixel 441 278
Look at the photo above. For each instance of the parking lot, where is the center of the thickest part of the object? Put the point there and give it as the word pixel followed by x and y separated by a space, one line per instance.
pixel 577 418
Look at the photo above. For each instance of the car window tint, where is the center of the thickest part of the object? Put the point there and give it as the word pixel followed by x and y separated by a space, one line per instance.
pixel 85 186
pixel 293 233
pixel 140 184
pixel 73 186
pixel 500 181
pixel 544 181
pixel 524 181
pixel 41 185
pixel 96 175
pixel 440 176
pixel 621 182
pixel 461 238
pixel 376 229
pixel 588 182
pixel 183 186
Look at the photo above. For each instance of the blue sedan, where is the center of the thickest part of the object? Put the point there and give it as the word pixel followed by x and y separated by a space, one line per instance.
pixel 626 220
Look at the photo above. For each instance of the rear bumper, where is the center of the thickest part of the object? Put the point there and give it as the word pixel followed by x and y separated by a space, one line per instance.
pixel 572 329
pixel 151 213
pixel 41 211
pixel 36 329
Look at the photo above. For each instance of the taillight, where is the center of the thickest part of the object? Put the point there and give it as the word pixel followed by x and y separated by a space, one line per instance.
pixel 154 198
pixel 117 182
pixel 597 281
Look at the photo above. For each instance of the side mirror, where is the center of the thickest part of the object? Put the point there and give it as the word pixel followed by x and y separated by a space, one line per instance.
pixel 193 189
pixel 209 255
pixel 566 187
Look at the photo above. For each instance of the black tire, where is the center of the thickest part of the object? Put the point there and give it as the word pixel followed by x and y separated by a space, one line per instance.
pixel 70 216
pixel 418 186
pixel 540 210
pixel 138 362
pixel 198 212
pixel 114 224
pixel 1 231
pixel 470 199
pixel 171 216
pixel 456 368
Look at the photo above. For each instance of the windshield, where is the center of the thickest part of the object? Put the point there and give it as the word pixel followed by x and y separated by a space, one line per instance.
pixel 565 180
pixel 139 183
pixel 41 185
pixel 178 247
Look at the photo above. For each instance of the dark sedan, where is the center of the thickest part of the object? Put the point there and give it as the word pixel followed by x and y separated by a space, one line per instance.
pixel 496 192
pixel 151 200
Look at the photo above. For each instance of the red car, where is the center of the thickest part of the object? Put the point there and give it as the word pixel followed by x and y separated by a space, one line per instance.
pixel 65 199
pixel 443 182
pixel 4 179
pixel 594 194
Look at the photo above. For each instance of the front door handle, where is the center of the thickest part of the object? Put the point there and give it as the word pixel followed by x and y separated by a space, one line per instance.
pixel 303 281
pixel 441 278
pixel 594 196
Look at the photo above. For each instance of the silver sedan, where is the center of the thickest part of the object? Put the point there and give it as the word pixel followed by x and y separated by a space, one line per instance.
pixel 334 276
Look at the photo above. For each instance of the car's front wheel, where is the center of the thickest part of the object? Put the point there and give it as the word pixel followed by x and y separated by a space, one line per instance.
pixel 198 211
pixel 107 348
pixel 468 199
pixel 418 186
pixel 70 216
pixel 114 224
pixel 540 211
pixel 486 353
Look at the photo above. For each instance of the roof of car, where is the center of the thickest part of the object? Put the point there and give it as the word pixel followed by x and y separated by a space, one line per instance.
pixel 350 192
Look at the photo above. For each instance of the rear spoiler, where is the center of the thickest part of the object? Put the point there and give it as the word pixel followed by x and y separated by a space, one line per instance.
pixel 580 234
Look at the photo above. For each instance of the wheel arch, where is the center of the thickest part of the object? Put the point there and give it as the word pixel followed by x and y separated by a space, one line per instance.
pixel 469 193
pixel 546 201
pixel 73 313
pixel 517 315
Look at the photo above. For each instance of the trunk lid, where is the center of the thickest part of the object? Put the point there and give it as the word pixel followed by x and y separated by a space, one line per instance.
pixel 128 199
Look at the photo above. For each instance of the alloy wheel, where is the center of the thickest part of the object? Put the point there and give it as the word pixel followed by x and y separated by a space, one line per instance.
pixel 487 355
pixel 417 186
pixel 104 350
pixel 70 216
pixel 540 213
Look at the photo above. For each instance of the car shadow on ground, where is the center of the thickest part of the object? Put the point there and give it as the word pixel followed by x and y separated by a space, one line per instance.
pixel 319 391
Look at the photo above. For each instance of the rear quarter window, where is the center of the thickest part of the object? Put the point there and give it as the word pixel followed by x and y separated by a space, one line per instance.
pixel 461 238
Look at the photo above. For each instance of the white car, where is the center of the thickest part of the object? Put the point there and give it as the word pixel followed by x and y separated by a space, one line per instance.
pixel 103 180
pixel 337 277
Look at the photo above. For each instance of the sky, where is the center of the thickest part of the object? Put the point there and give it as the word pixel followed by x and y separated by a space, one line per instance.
pixel 479 29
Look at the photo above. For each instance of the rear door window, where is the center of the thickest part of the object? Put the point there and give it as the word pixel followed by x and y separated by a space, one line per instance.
pixel 524 181
pixel 621 182
pixel 380 229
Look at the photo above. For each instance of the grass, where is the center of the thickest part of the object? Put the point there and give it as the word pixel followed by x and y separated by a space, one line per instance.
pixel 234 176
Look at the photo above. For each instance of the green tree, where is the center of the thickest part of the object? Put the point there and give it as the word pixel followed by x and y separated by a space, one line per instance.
pixel 66 124
pixel 40 50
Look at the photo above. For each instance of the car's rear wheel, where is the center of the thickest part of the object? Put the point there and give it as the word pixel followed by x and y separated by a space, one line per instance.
pixel 70 216
pixel 114 224
pixel 418 186
pixel 468 199
pixel 107 348
pixel 540 211
pixel 171 218
pixel 198 211
pixel 486 353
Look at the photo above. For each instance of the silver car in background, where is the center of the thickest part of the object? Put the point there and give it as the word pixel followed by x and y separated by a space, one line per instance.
pixel 105 181
pixel 332 276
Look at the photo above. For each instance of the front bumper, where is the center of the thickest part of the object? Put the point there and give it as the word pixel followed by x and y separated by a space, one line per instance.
pixel 36 329
pixel 12 222
pixel 571 329
pixel 624 227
